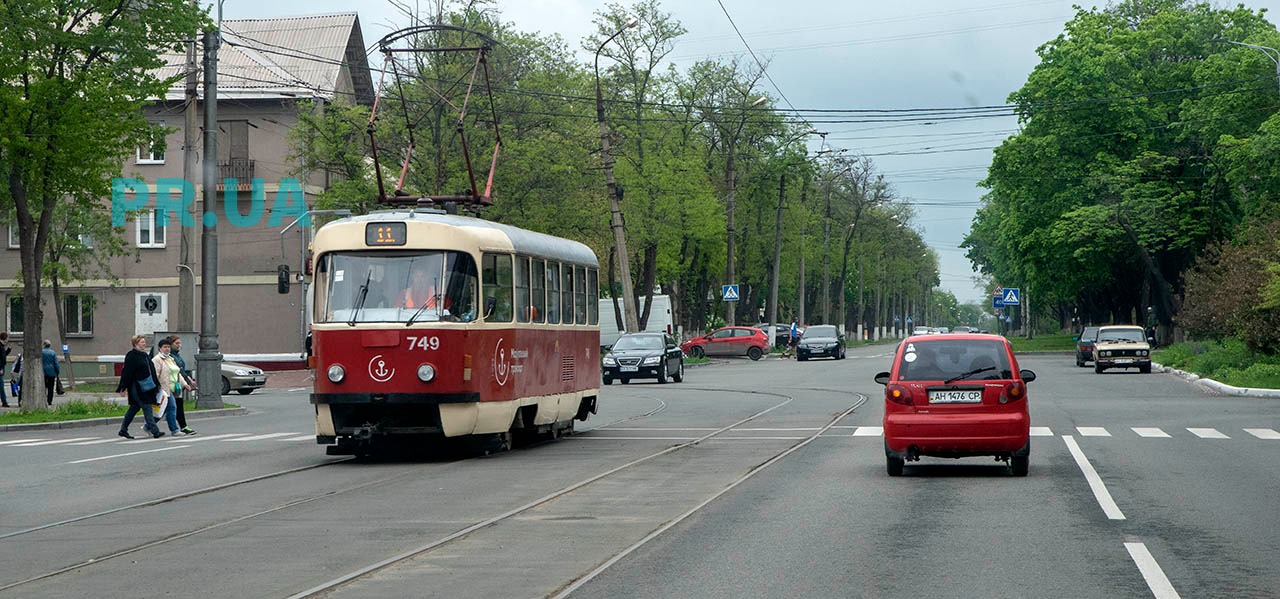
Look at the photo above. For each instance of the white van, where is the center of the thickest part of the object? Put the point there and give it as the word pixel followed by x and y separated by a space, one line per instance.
pixel 660 318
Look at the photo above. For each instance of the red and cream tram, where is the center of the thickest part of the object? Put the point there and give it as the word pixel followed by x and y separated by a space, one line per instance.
pixel 433 325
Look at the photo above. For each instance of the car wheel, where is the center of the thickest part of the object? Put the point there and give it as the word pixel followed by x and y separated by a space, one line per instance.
pixel 1098 368
pixel 754 353
pixel 608 380
pixel 1079 360
pixel 244 391
pixel 801 358
pixel 625 380
pixel 679 375
pixel 893 465
pixel 1020 461
pixel 1145 369
pixel 697 352
pixel 226 386
pixel 662 373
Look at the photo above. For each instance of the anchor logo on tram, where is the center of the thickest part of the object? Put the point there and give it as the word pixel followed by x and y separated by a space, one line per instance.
pixel 380 374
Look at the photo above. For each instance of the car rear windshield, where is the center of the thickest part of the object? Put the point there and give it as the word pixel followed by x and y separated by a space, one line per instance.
pixel 1089 334
pixel 639 342
pixel 1133 334
pixel 942 359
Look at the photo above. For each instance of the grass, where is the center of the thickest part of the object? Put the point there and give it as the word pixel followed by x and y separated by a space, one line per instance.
pixel 77 409
pixel 1228 361
pixel 95 387
pixel 1058 342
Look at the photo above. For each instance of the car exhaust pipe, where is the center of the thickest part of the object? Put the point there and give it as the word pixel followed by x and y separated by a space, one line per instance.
pixel 913 454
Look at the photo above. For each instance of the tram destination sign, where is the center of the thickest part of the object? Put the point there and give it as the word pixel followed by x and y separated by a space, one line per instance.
pixel 382 234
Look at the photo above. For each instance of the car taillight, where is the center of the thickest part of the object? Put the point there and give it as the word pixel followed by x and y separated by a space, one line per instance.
pixel 1016 390
pixel 897 394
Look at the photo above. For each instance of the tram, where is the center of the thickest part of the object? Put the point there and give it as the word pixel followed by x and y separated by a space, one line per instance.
pixel 428 325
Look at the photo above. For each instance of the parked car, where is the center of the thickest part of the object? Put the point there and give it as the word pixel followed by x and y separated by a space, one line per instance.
pixel 729 341
pixel 781 333
pixel 241 378
pixel 1084 345
pixel 643 356
pixel 1122 346
pixel 822 340
pixel 956 396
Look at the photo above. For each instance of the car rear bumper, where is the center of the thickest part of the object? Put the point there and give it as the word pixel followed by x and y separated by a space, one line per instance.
pixel 956 435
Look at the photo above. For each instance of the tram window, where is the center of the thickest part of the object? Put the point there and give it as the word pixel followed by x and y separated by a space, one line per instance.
pixel 566 293
pixel 523 313
pixel 396 286
pixel 593 286
pixel 497 287
pixel 538 279
pixel 553 293
pixel 580 294
pixel 460 291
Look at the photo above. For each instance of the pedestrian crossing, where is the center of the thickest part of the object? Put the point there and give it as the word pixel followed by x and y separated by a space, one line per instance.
pixel 168 440
pixel 1142 432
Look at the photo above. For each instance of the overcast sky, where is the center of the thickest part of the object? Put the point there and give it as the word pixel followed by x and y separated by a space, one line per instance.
pixel 845 54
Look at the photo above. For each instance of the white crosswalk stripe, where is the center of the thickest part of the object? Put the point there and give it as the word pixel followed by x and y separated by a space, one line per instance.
pixel 299 438
pixel 1041 431
pixel 1263 433
pixel 1150 432
pixel 17 441
pixel 1207 433
pixel 54 441
pixel 1093 431
pixel 96 442
pixel 260 437
pixel 869 431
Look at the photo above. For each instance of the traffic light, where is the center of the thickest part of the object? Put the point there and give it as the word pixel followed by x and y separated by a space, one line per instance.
pixel 282 279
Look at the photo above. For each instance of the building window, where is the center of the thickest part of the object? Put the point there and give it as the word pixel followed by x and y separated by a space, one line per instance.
pixel 78 310
pixel 15 315
pixel 153 153
pixel 14 241
pixel 149 234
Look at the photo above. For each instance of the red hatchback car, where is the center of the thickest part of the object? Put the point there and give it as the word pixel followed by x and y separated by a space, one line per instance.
pixel 729 341
pixel 956 396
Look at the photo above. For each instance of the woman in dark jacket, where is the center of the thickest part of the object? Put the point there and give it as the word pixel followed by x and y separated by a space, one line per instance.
pixel 138 367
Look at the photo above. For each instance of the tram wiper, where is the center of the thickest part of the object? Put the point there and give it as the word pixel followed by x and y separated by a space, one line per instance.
pixel 364 293
pixel 416 314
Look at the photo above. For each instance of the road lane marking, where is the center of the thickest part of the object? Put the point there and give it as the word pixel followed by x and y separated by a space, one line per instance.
pixel 56 441
pixel 121 455
pixel 869 431
pixel 1093 431
pixel 1150 432
pixel 1159 584
pixel 299 438
pixel 1263 433
pixel 16 441
pixel 261 437
pixel 1207 433
pixel 98 442
pixel 194 438
pixel 1100 492
pixel 1041 431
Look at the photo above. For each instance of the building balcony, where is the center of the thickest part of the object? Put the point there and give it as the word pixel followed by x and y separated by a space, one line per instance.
pixel 241 169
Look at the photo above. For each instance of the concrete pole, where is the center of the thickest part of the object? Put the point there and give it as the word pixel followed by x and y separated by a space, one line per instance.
pixel 187 276
pixel 208 360
pixel 615 204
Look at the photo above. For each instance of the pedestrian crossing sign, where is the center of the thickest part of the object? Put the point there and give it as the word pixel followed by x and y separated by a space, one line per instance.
pixel 730 293
pixel 1011 296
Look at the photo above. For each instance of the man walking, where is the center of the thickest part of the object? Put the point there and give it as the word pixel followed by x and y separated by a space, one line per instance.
pixel 51 370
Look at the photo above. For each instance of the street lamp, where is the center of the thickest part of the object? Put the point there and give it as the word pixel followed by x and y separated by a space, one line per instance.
pixel 729 207
pixel 619 234
pixel 1271 53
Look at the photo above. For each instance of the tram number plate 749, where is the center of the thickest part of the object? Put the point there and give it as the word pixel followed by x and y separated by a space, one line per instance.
pixel 424 343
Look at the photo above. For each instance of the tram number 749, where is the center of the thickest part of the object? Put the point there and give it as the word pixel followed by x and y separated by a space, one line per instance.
pixel 431 343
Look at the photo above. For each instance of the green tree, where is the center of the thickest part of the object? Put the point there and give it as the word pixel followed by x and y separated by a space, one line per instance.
pixel 74 75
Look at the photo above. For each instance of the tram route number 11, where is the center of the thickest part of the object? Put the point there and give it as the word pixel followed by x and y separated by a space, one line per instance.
pixel 424 343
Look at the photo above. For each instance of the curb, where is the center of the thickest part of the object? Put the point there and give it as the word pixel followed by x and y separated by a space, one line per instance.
pixel 1221 388
pixel 90 422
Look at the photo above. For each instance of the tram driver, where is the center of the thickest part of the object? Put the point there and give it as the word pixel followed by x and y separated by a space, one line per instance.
pixel 421 292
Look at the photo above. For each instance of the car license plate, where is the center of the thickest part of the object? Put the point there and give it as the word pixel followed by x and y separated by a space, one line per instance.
pixel 259 379
pixel 630 368
pixel 967 396
pixel 1123 360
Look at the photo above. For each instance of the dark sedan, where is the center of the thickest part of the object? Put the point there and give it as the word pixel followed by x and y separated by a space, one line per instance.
pixel 643 356
pixel 1084 345
pixel 820 341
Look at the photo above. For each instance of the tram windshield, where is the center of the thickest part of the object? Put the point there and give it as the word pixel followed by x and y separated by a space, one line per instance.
pixel 404 287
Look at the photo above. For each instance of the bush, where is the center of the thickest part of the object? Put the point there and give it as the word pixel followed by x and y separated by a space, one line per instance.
pixel 1230 361
pixel 1259 374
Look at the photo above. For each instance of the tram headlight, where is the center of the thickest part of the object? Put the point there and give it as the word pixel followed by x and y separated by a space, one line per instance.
pixel 426 373
pixel 337 373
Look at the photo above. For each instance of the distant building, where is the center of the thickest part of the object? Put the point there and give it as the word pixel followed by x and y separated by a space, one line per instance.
pixel 266 68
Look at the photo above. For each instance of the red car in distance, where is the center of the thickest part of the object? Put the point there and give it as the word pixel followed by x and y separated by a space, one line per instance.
pixel 955 396
pixel 729 341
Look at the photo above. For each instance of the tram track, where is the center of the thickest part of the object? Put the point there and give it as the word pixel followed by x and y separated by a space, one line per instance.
pixel 403 556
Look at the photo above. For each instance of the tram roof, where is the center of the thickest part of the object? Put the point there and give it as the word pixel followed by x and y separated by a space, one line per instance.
pixel 521 240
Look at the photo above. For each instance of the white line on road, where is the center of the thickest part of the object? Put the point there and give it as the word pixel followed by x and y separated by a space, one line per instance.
pixel 1093 431
pixel 1263 433
pixel 194 438
pixel 1100 492
pixel 869 431
pixel 1156 580
pixel 1207 433
pixel 55 441
pixel 299 438
pixel 1041 431
pixel 1150 432
pixel 16 441
pixel 98 442
pixel 261 437
pixel 121 455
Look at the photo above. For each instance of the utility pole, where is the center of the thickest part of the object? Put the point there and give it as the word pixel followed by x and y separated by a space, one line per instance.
pixel 777 258
pixel 630 318
pixel 208 360
pixel 187 276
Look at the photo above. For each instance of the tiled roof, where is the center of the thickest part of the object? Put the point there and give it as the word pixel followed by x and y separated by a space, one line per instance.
pixel 300 57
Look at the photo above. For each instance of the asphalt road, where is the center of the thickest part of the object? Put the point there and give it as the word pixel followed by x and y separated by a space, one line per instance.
pixel 749 479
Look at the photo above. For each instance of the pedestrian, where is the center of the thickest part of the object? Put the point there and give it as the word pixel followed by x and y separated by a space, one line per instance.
pixel 5 350
pixel 138 382
pixel 51 370
pixel 792 338
pixel 189 378
pixel 171 382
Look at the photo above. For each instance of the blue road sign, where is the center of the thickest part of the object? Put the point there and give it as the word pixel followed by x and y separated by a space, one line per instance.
pixel 997 302
pixel 730 292
pixel 1011 296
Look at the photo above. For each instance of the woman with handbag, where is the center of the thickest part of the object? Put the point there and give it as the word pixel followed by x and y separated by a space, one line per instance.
pixel 138 382
pixel 171 383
